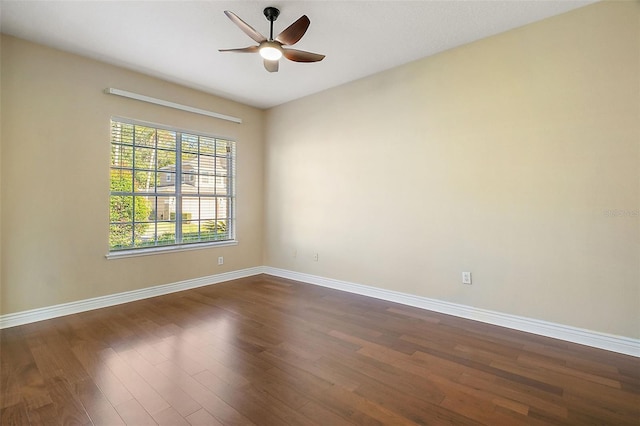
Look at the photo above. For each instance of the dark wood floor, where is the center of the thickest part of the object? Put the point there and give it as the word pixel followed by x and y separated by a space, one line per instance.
pixel 269 351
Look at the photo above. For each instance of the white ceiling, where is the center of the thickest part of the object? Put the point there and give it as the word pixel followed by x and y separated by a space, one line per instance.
pixel 179 40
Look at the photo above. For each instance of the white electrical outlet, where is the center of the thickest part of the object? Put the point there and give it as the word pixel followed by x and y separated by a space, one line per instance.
pixel 221 260
pixel 315 257
pixel 466 278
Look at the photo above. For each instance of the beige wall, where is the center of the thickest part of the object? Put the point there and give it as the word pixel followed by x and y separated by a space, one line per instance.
pixel 55 178
pixel 500 157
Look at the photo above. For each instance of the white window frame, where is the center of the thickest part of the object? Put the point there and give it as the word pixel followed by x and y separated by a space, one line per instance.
pixel 229 196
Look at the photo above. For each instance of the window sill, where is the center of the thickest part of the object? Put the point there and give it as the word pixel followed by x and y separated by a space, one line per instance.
pixel 168 249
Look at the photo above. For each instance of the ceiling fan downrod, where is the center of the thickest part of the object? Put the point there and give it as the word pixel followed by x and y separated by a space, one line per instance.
pixel 271 13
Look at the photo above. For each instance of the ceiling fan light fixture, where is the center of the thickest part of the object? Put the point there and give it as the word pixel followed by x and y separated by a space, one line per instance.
pixel 270 51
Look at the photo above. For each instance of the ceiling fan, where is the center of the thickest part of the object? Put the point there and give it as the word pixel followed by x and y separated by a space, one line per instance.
pixel 272 49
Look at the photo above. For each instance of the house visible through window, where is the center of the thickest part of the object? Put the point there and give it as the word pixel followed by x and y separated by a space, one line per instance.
pixel 149 206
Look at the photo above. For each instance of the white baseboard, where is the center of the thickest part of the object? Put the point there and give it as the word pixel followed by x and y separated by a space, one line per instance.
pixel 619 344
pixel 26 317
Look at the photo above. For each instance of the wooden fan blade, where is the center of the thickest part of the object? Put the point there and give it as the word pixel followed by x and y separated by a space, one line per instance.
pixel 271 66
pixel 246 28
pixel 294 32
pixel 301 56
pixel 250 49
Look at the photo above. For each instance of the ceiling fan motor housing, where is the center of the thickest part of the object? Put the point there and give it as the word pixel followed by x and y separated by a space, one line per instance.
pixel 271 13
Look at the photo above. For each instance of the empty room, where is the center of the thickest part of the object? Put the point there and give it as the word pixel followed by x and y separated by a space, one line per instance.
pixel 320 212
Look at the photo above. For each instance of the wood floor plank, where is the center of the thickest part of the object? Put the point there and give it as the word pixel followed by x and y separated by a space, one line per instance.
pixel 14 415
pixel 322 415
pixel 98 407
pixel 179 400
pixel 314 389
pixel 417 402
pixel 134 414
pixel 9 384
pixel 45 361
pixel 60 350
pixel 202 418
pixel 281 405
pixel 170 417
pixel 69 409
pixel 34 390
pixel 363 410
pixel 518 394
pixel 216 406
pixel 527 361
pixel 174 350
pixel 253 406
pixel 277 386
pixel 142 392
pixel 22 381
pixel 45 415
pixel 266 350
pixel 101 375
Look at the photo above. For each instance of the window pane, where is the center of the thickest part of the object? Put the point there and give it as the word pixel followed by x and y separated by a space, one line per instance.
pixel 207 165
pixel 207 145
pixel 214 230
pixel 221 147
pixel 120 236
pixel 166 160
pixel 207 208
pixel 166 182
pixel 191 234
pixel 208 230
pixel 222 208
pixel 166 139
pixel 143 208
pixel 166 233
pixel 222 185
pixel 191 180
pixel 165 209
pixel 121 208
pixel 189 143
pixel 145 181
pixel 190 208
pixel 223 229
pixel 121 156
pixel 145 158
pixel 189 162
pixel 207 185
pixel 222 166
pixel 145 136
pixel 121 180
pixel 144 234
pixel 121 133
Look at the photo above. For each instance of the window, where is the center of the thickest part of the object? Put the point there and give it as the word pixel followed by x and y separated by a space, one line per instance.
pixel 150 207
